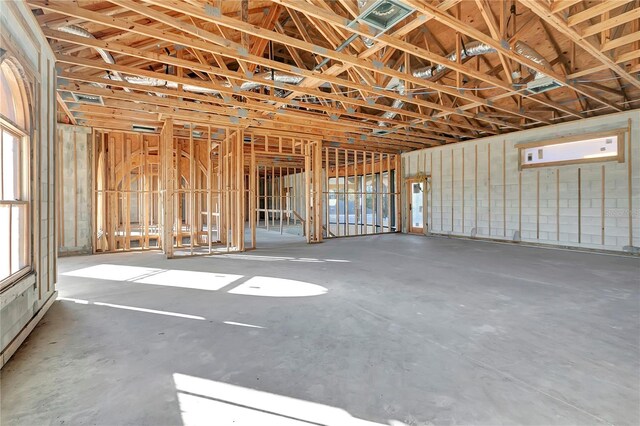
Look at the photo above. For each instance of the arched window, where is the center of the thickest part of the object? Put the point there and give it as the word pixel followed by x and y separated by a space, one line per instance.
pixel 14 174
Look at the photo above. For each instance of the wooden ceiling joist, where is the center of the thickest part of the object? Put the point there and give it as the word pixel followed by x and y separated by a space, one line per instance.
pixel 560 25
pixel 300 44
pixel 346 92
pixel 231 53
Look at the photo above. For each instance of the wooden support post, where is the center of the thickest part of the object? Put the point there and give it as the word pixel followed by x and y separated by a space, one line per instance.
pixel 364 192
pixel 489 187
pixel 191 193
pixel 558 204
pixel 289 195
pixel 258 186
pixel 345 193
pixel 602 203
pixel 125 192
pixel 389 192
pixel 337 191
pixel 431 189
pixel 307 191
pixel 209 192
pixel 326 185
pixel 240 207
pixel 92 148
pixel 630 180
pixel 146 177
pixel 579 206
pixel 280 190
pixel 374 195
pixel 75 189
pixel 357 205
pixel 504 189
pixel 462 191
pixel 252 194
pixel 105 196
pixel 379 197
pixel 227 188
pixel 167 185
pixel 272 203
pixel 112 197
pixel 178 193
pixel 398 190
pixel 475 190
pixel 317 190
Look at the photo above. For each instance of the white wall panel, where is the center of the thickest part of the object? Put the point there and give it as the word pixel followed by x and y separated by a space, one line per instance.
pixel 479 185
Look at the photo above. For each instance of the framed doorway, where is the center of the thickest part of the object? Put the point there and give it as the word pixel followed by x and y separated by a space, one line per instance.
pixel 416 205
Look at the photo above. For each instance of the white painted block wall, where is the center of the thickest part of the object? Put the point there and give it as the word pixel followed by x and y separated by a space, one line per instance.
pixel 477 189
pixel 75 191
pixel 24 301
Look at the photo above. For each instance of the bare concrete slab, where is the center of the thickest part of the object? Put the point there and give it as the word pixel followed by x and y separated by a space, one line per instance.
pixel 389 329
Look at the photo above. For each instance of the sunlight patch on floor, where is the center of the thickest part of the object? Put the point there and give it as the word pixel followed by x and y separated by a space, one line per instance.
pixel 196 280
pixel 277 287
pixel 203 400
pixel 164 277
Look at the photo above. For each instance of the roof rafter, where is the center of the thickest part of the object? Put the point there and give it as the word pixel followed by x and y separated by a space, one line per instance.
pixel 219 44
pixel 387 40
pixel 378 67
pixel 559 24
pixel 465 28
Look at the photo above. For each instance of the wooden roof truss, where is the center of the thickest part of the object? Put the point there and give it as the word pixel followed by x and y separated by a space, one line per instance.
pixel 347 93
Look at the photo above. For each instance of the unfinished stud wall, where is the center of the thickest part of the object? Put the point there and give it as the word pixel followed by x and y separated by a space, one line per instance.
pixel 180 191
pixel 186 193
pixel 24 301
pixel 280 198
pixel 360 195
pixel 477 189
pixel 125 179
pixel 74 145
pixel 285 181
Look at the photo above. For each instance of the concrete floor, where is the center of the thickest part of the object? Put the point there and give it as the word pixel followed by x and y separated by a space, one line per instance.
pixel 389 329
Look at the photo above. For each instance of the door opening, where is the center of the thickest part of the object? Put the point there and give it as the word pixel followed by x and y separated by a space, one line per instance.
pixel 416 190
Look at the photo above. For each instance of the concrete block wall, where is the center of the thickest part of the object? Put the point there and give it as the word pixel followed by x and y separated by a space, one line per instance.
pixel 478 191
pixel 24 301
pixel 75 192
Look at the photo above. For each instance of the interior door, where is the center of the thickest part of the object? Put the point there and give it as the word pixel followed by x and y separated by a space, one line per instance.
pixel 416 199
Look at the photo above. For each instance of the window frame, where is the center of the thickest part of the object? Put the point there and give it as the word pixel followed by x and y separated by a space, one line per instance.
pixel 26 172
pixel 619 133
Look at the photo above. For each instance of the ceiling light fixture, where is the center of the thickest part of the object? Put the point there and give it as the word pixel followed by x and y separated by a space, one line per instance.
pixel 383 14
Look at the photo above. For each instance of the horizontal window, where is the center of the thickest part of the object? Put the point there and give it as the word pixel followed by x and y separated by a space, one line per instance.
pixel 589 148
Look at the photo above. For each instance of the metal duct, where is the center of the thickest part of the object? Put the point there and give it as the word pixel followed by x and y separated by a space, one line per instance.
pixel 473 48
pixel 189 88
pixel 277 77
pixel 523 49
pixel 398 86
pixel 81 32
pixel 397 103
pixel 369 42
pixel 156 82
pixel 108 58
pixel 476 48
